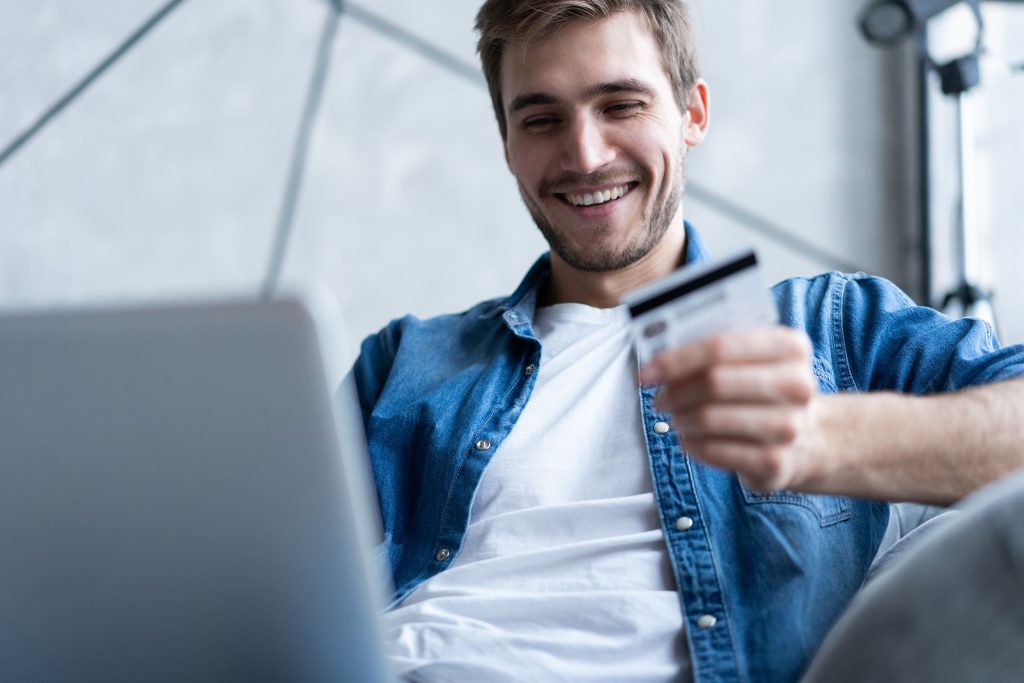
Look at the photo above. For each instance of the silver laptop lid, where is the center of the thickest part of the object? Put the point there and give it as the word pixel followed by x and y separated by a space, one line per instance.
pixel 174 503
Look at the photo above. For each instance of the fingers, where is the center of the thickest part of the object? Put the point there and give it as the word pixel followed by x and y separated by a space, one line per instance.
pixel 761 345
pixel 741 401
pixel 747 423
pixel 788 382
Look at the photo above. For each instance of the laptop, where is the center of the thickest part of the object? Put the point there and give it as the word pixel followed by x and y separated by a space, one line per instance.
pixel 182 498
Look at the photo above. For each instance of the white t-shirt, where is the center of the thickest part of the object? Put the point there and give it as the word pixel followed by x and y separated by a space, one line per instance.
pixel 564 573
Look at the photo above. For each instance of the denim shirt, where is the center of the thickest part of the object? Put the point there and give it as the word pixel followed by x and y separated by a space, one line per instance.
pixel 761 575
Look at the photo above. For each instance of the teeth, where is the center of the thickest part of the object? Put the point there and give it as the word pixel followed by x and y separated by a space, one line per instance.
pixel 589 199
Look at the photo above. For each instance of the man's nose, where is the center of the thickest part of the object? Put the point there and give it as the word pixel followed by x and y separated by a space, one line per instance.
pixel 587 148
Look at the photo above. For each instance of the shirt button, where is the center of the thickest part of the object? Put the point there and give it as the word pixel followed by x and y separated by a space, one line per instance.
pixel 707 621
pixel 443 554
pixel 684 523
pixel 661 427
pixel 482 445
pixel 530 368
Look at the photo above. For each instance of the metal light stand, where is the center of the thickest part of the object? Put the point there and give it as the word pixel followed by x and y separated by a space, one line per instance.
pixel 957 78
pixel 972 300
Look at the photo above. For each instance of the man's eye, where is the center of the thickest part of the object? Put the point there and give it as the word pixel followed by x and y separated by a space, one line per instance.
pixel 539 123
pixel 623 109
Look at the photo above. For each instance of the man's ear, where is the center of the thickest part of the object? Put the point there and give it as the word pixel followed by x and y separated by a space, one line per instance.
pixel 697 114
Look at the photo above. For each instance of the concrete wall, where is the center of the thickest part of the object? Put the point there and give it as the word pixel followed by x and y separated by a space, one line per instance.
pixel 165 179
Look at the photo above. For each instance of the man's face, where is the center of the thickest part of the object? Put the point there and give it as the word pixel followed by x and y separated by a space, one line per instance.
pixel 596 140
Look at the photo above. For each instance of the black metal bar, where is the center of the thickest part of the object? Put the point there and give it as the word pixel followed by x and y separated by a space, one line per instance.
pixel 925 194
pixel 57 107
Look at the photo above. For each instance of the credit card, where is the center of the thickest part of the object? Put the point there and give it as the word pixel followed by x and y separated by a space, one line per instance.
pixel 698 301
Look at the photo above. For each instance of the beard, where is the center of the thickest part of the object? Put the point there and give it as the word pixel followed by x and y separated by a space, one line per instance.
pixel 595 257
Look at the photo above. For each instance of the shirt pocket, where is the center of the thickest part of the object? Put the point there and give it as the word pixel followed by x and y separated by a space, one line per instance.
pixel 829 510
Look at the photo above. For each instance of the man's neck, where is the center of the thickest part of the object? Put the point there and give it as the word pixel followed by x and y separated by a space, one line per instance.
pixel 605 290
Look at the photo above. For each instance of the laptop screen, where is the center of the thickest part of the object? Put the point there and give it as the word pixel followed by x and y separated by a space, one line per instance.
pixel 174 501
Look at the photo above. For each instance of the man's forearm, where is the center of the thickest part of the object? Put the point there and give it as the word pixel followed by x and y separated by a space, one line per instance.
pixel 931 449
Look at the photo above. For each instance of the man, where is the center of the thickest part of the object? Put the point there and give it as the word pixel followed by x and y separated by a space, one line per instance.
pixel 550 512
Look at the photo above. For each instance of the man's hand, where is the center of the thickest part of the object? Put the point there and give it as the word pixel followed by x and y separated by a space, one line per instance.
pixel 744 401
pixel 747 402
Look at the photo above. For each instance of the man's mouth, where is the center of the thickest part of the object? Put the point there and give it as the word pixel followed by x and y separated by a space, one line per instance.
pixel 596 198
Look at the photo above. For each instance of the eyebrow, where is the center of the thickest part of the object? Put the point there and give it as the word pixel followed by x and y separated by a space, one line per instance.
pixel 628 85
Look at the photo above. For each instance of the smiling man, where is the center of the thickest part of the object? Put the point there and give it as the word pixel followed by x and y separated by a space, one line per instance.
pixel 554 512
pixel 596 138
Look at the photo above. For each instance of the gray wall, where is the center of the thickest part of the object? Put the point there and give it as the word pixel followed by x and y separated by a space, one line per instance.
pixel 807 130
pixel 165 179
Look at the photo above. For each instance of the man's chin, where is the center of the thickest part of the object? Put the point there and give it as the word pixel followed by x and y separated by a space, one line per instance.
pixel 591 260
pixel 592 247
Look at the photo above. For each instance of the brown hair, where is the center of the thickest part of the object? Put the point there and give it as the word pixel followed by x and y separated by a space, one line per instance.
pixel 507 22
